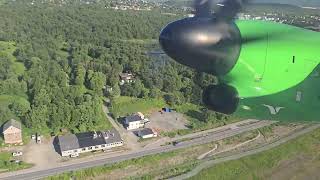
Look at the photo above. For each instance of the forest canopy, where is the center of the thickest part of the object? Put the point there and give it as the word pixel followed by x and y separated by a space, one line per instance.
pixel 57 62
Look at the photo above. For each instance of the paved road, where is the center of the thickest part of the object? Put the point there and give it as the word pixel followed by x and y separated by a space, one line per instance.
pixel 211 163
pixel 37 174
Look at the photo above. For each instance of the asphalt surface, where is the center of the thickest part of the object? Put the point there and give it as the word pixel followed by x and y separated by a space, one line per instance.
pixel 210 163
pixel 215 136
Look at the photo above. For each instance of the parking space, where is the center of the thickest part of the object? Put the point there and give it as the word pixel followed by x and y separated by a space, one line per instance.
pixel 167 121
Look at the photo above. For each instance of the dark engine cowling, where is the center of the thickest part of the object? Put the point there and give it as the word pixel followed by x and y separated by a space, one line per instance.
pixel 205 44
pixel 221 98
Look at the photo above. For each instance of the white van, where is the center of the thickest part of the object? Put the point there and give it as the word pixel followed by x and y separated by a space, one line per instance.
pixel 17 153
pixel 74 155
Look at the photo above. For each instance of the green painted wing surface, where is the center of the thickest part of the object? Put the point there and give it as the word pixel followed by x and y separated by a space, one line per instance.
pixel 276 63
pixel 305 109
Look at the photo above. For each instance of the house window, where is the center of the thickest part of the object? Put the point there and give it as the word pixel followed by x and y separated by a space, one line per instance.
pixel 103 145
pixel 83 149
pixel 75 151
pixel 96 147
pixel 91 148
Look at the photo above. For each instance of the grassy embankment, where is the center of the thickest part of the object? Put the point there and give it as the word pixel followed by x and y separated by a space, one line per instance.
pixel 299 158
pixel 159 166
pixel 7 165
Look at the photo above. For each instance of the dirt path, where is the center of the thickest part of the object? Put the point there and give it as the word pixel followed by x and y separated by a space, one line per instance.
pixel 131 140
pixel 211 163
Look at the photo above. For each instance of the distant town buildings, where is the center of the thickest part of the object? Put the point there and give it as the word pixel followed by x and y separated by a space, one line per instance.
pixel 136 5
pixel 12 132
pixel 74 144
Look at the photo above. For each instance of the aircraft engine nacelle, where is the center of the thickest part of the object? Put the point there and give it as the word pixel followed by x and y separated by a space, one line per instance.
pixel 221 98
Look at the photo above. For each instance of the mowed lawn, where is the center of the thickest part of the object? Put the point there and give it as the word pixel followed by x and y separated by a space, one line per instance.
pixel 297 159
pixel 306 110
pixel 123 106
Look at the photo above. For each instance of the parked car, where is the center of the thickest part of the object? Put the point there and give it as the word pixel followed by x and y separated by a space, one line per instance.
pixel 33 136
pixel 17 153
pixel 38 139
pixel 74 155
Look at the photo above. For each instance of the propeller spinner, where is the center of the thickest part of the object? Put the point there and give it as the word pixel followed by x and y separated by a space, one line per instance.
pixel 207 42
pixel 204 44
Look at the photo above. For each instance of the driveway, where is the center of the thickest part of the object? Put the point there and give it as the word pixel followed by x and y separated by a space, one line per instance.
pixel 130 140
pixel 41 155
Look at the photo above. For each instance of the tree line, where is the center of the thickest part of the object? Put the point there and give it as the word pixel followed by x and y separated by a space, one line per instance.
pixel 72 53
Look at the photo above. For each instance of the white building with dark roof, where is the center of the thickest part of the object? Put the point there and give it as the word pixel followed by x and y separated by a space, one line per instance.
pixel 135 121
pixel 147 133
pixel 74 144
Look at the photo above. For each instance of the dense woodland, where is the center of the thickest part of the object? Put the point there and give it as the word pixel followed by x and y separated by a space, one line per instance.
pixel 56 62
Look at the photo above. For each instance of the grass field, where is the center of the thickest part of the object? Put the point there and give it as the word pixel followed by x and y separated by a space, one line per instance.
pixel 297 159
pixel 123 106
pixel 6 165
pixel 306 110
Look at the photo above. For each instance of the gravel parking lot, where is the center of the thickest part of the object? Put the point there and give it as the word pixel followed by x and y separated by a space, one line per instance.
pixel 167 121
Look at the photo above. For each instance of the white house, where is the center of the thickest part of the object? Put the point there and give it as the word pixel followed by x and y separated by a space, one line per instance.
pixel 74 144
pixel 135 121
pixel 147 133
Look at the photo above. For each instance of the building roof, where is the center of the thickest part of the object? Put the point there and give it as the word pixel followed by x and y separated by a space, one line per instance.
pixel 68 142
pixel 133 118
pixel 10 123
pixel 126 76
pixel 87 139
pixel 146 131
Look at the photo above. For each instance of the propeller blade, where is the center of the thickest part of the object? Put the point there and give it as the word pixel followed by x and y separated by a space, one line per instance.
pixel 202 8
